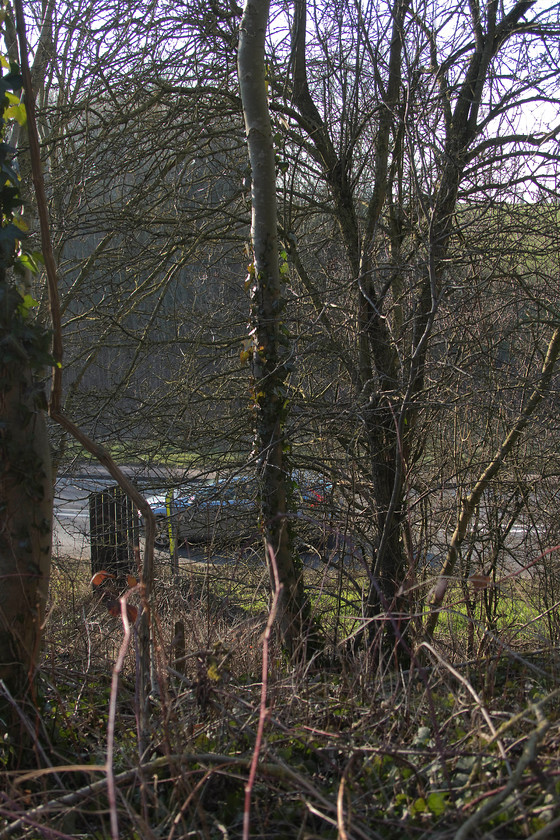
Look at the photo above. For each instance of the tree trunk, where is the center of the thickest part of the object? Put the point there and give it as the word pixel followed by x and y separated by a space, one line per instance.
pixel 269 341
pixel 26 492
pixel 26 495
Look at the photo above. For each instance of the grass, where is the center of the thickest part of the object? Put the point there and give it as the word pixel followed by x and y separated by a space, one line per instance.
pixel 350 749
pixel 136 452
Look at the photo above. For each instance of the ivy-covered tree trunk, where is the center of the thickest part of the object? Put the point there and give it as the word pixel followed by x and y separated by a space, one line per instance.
pixel 269 342
pixel 26 493
pixel 26 496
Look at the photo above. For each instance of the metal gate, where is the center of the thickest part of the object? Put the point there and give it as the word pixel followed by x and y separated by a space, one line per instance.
pixel 114 532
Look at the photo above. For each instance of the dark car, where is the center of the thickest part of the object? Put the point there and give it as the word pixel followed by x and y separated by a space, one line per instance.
pixel 226 510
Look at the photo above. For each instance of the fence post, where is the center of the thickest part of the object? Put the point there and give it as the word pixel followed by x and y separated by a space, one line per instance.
pixel 172 530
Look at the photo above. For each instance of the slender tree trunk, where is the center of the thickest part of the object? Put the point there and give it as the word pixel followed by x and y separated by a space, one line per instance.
pixel 389 375
pixel 269 341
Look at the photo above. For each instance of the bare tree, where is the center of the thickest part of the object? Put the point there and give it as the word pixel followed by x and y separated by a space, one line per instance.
pixel 400 124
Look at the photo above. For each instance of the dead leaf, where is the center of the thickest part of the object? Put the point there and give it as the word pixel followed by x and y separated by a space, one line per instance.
pixel 131 613
pixel 114 608
pixel 480 581
pixel 99 577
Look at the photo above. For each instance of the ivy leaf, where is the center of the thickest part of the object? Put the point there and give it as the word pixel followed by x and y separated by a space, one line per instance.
pixel 20 223
pixel 9 236
pixel 11 81
pixel 26 261
pixel 437 803
pixel 10 173
pixel 27 303
pixel 17 113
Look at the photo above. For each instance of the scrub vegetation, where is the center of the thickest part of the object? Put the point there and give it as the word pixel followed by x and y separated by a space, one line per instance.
pixel 454 747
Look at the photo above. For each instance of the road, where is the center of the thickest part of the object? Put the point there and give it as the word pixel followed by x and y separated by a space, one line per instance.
pixel 71 519
pixel 71 513
pixel 71 503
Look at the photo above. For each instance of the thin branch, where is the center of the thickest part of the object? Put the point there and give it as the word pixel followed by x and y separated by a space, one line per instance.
pixel 471 502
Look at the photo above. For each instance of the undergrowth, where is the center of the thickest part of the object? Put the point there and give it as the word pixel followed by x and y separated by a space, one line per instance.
pixel 458 746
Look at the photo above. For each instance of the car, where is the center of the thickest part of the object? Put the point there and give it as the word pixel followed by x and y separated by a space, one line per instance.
pixel 166 506
pixel 226 510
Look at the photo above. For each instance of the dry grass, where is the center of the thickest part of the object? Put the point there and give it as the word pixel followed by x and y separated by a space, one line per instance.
pixel 350 750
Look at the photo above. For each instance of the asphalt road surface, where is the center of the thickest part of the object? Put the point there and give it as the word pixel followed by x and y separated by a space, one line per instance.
pixel 71 519
pixel 71 513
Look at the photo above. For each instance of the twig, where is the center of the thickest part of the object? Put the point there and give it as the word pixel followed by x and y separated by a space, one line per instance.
pixel 111 787
pixel 31 731
pixel 489 807
pixel 51 834
pixel 263 711
pixel 32 775
pixel 279 771
pixel 179 815
pixel 546 830
pixel 42 207
pixel 489 473
pixel 472 692
pixel 68 800
pixel 340 808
